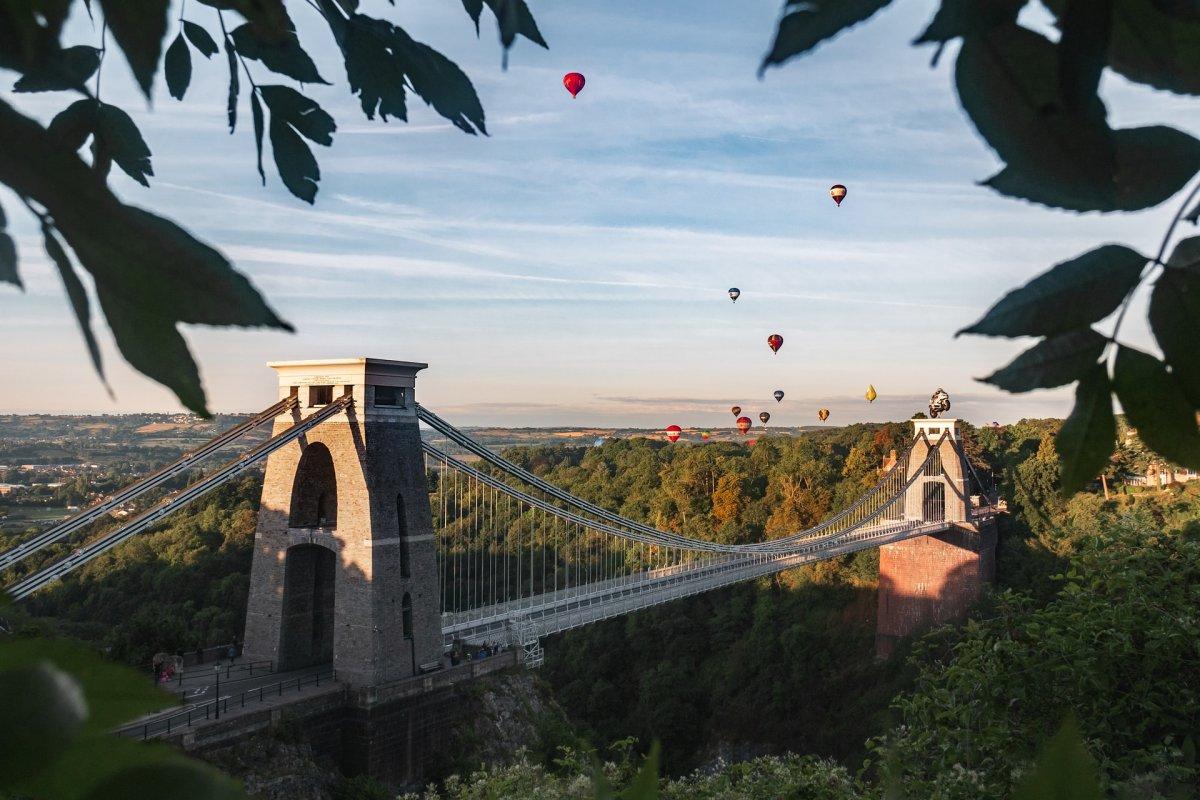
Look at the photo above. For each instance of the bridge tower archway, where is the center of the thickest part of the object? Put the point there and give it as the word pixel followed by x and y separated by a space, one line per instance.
pixel 345 531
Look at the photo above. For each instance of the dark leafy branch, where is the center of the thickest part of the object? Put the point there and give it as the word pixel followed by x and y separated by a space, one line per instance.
pixel 171 277
pixel 1036 104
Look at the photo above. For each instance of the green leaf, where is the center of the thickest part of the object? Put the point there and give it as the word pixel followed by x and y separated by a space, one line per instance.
pixel 1008 84
pixel 644 785
pixel 1070 295
pixel 301 112
pixel 281 53
pixel 1175 320
pixel 231 105
pixel 380 57
pixel 297 168
pixel 136 258
pixel 270 16
pixel 256 114
pixel 8 255
pixel 139 27
pixel 1156 406
pixel 807 23
pixel 75 293
pixel 1055 361
pixel 474 9
pixel 1152 164
pixel 68 69
pixel 955 18
pixel 1082 51
pixel 42 713
pixel 1089 436
pixel 512 17
pixel 184 780
pixel 1151 45
pixel 123 141
pixel 72 126
pixel 200 39
pixel 1064 770
pixel 1186 255
pixel 152 345
pixel 178 67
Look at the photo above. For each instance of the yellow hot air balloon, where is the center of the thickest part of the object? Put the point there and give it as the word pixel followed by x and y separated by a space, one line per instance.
pixel 871 394
pixel 823 414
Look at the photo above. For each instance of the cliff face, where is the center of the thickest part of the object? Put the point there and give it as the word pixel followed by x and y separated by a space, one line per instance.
pixel 501 715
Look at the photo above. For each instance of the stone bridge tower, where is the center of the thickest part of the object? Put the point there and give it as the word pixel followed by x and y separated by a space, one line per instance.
pixel 928 580
pixel 345 567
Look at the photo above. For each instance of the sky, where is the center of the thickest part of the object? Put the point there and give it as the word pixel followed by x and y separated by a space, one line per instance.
pixel 571 268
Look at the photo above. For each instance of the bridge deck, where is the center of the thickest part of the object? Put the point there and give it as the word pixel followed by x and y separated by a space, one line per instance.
pixel 554 612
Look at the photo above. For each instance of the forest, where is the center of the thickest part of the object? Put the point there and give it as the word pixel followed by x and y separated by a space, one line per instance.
pixel 1092 623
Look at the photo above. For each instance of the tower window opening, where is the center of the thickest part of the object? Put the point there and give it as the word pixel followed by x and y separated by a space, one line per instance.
pixel 389 395
pixel 320 395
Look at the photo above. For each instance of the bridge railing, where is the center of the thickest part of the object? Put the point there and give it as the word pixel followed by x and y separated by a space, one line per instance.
pixel 165 725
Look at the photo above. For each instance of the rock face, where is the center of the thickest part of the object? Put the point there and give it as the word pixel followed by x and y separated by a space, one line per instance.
pixel 506 713
pixel 277 766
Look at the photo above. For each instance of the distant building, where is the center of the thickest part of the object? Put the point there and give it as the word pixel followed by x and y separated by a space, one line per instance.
pixel 9 488
pixel 1161 475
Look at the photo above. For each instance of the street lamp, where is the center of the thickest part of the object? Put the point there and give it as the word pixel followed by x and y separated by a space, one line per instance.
pixel 217 669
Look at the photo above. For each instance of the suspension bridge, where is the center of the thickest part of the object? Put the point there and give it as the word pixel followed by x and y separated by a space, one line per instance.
pixel 377 551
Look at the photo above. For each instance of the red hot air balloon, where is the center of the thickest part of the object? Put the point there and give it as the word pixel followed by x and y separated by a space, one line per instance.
pixel 736 410
pixel 574 82
pixel 774 341
pixel 673 432
pixel 838 193
pixel 743 424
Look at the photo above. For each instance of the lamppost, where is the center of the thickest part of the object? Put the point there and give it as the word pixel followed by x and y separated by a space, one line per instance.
pixel 217 669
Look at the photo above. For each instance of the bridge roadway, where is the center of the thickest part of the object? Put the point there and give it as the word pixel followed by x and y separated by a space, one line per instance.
pixel 554 612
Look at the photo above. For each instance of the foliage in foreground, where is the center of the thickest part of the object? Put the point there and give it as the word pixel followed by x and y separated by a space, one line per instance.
pixel 60 702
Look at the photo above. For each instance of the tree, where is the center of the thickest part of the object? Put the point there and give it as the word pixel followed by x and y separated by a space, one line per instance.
pixel 1036 103
pixel 150 274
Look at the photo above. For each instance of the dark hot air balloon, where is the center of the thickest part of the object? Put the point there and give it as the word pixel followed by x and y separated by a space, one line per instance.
pixel 838 193
pixel 744 424
pixel 764 417
pixel 734 293
pixel 774 341
pixel 778 395
pixel 574 82
pixel 673 432
pixel 823 414
pixel 735 410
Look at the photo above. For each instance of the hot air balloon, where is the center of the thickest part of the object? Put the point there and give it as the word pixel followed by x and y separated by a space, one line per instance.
pixel 574 82
pixel 774 341
pixel 778 395
pixel 736 410
pixel 871 394
pixel 599 442
pixel 764 417
pixel 705 435
pixel 673 432
pixel 837 192
pixel 734 293
pixel 744 424
pixel 823 414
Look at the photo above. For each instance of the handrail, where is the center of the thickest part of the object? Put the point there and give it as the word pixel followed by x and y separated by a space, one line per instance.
pixel 23 588
pixel 140 487
pixel 209 708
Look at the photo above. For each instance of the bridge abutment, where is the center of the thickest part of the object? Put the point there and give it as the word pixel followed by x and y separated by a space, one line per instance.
pixel 929 580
